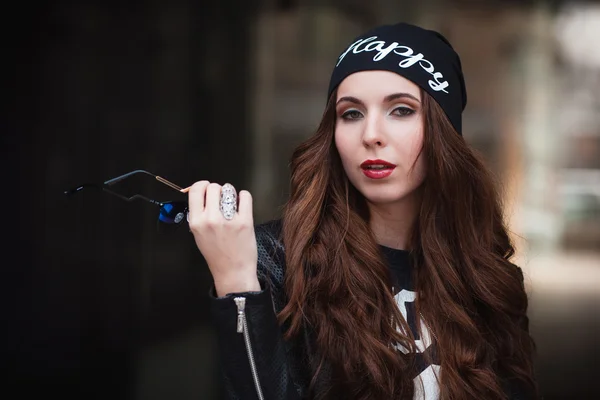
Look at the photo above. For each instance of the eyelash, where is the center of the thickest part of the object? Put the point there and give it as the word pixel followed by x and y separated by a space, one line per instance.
pixel 406 112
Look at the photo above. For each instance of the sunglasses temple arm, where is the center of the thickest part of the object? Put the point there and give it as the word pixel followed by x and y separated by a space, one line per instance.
pixel 134 197
pixel 141 171
pixel 166 182
pixel 107 190
pixel 127 175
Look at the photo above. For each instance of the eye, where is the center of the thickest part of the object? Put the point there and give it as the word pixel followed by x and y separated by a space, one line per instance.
pixel 351 114
pixel 403 111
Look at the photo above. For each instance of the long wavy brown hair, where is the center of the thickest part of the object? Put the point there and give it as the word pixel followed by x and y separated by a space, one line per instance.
pixel 470 295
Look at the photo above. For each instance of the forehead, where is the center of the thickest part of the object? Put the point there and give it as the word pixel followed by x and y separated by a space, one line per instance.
pixel 375 85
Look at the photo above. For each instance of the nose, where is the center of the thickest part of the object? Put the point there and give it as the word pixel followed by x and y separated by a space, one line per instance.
pixel 373 135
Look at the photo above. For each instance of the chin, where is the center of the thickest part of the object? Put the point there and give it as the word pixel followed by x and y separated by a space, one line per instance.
pixel 388 193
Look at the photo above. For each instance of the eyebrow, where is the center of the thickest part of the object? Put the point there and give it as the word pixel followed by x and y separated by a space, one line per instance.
pixel 386 99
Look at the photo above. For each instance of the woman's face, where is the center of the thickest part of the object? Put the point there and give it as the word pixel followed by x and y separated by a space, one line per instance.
pixel 379 134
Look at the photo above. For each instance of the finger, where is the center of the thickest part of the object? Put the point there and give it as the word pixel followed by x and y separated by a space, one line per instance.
pixel 197 194
pixel 245 205
pixel 213 196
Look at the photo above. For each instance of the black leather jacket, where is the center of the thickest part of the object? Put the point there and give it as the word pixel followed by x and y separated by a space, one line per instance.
pixel 256 362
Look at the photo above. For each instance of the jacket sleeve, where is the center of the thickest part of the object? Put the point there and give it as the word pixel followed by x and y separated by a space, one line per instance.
pixel 252 353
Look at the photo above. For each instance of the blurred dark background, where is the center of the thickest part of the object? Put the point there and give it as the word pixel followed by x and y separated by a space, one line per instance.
pixel 99 303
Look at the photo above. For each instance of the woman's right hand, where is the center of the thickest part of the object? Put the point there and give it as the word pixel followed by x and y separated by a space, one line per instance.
pixel 228 246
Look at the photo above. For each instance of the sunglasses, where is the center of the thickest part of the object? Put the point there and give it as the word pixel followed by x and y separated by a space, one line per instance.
pixel 170 212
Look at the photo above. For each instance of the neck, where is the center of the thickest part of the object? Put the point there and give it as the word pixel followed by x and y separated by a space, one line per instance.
pixel 392 223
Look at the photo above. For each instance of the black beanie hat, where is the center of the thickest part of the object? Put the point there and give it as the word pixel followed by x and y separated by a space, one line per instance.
pixel 422 56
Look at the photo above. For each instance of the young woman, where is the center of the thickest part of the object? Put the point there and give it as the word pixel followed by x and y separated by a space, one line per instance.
pixel 389 274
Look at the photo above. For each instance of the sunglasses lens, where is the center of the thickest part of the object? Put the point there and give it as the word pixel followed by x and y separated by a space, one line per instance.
pixel 172 212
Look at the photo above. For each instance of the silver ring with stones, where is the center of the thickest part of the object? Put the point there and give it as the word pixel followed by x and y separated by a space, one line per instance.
pixel 228 201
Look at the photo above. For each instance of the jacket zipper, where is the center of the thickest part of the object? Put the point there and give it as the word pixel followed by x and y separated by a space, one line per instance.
pixel 242 327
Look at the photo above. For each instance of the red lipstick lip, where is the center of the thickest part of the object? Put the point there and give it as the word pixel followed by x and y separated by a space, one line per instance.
pixel 377 162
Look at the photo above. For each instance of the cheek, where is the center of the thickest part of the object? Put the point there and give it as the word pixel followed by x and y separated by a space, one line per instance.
pixel 418 157
pixel 343 146
pixel 420 171
pixel 415 156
